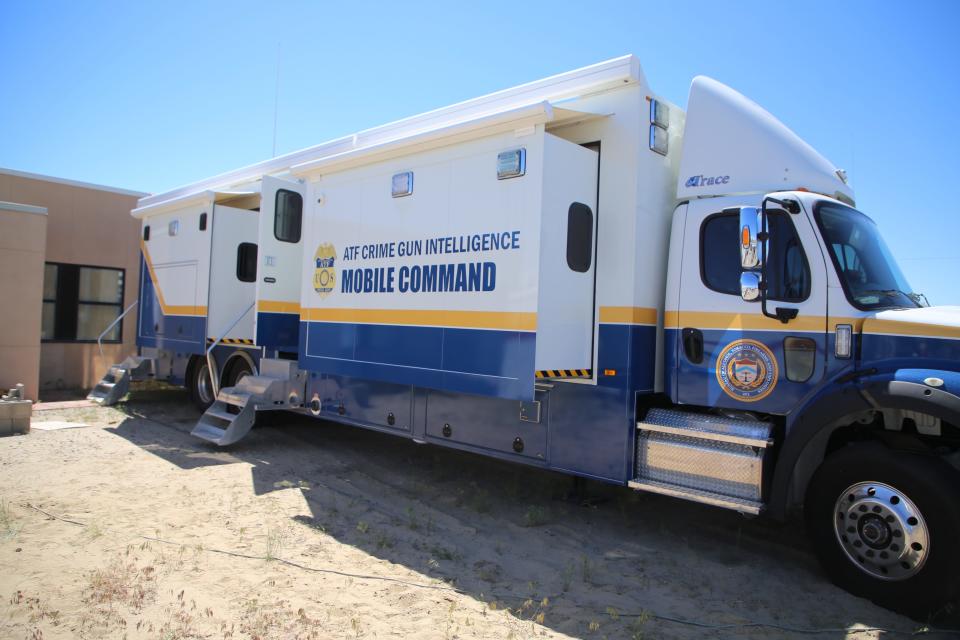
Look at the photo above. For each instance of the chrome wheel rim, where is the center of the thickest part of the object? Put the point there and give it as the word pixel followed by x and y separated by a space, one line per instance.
pixel 204 385
pixel 881 531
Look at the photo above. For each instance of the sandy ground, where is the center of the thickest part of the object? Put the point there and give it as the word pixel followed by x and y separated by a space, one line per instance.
pixel 384 538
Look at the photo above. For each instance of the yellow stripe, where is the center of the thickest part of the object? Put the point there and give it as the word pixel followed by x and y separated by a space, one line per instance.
pixel 278 306
pixel 628 315
pixel 511 320
pixel 895 327
pixel 744 321
pixel 168 309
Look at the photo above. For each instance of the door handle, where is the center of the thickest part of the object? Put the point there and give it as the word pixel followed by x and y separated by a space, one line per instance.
pixel 693 345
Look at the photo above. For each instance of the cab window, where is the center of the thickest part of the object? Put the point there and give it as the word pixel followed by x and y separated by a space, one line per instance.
pixel 788 273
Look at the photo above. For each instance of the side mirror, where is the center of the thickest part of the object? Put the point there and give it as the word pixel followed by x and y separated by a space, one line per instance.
pixel 751 255
pixel 750 286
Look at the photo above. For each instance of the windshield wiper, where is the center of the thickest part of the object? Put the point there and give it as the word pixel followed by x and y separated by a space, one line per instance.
pixel 913 297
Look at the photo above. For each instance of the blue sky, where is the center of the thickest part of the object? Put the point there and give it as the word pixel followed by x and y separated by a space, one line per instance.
pixel 150 96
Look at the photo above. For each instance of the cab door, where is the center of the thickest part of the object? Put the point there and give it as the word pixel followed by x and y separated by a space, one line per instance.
pixel 728 353
pixel 281 253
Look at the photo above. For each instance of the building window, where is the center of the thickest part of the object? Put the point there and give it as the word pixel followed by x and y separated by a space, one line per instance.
pixel 79 302
pixel 287 216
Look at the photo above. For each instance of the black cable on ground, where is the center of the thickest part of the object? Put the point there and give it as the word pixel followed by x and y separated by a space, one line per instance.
pixel 922 631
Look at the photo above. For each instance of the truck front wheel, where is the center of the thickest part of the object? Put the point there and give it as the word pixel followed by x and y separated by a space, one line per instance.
pixel 886 526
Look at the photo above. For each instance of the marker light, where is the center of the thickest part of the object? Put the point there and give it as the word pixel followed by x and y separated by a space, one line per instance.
pixel 659 114
pixel 658 139
pixel 511 164
pixel 843 341
pixel 402 184
pixel 745 237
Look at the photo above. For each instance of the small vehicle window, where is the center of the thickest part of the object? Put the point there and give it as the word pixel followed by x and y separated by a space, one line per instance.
pixel 247 262
pixel 287 216
pixel 579 237
pixel 788 272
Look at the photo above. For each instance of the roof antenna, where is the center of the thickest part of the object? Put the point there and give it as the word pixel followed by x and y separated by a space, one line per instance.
pixel 276 103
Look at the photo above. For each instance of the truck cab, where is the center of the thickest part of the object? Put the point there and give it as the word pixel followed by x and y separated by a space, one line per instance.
pixel 785 307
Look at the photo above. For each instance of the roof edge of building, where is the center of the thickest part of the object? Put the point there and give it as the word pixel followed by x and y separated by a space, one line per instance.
pixel 22 208
pixel 72 183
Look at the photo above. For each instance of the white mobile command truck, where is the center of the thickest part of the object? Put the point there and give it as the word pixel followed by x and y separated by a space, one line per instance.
pixel 575 275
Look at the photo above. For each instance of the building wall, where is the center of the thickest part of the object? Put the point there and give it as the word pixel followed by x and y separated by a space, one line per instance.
pixel 86 225
pixel 23 232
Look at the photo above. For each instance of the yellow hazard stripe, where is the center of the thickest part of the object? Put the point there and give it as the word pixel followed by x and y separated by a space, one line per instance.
pixel 509 320
pixel 168 309
pixel 565 373
pixel 231 341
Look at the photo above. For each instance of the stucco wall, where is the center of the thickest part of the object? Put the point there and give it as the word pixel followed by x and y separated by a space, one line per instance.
pixel 23 232
pixel 89 226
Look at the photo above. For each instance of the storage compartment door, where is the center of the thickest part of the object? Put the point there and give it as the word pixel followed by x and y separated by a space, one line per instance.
pixel 281 252
pixel 565 314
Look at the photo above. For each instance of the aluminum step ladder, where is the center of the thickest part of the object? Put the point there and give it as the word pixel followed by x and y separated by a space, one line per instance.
pixel 116 382
pixel 708 458
pixel 231 416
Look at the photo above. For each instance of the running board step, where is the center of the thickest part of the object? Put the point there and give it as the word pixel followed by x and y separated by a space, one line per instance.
pixel 280 386
pixel 703 457
pixel 116 382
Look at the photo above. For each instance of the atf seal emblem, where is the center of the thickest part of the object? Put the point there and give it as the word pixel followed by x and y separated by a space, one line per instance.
pixel 747 370
pixel 324 273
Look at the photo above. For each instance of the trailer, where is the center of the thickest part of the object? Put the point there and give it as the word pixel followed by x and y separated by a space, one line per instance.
pixel 576 275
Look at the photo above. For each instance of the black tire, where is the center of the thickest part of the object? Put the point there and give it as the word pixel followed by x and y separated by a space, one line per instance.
pixel 200 385
pixel 235 370
pixel 920 571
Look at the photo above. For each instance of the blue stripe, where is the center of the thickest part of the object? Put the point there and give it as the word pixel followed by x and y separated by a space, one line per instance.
pixel 278 330
pixel 889 351
pixel 483 362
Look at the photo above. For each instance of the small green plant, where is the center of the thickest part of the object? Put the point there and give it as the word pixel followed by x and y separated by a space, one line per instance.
pixel 384 541
pixel 363 527
pixel 586 569
pixel 412 522
pixel 566 576
pixel 7 520
pixel 274 544
pixel 535 516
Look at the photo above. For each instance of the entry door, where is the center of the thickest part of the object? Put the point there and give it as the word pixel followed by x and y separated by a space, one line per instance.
pixel 728 353
pixel 281 253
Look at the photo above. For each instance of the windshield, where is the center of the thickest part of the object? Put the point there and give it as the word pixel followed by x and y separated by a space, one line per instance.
pixel 870 276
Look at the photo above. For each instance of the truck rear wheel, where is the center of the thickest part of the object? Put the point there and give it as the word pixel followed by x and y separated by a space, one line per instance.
pixel 886 524
pixel 201 387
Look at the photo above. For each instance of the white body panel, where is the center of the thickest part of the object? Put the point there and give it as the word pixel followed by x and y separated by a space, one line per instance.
pixel 229 296
pixel 732 145
pixel 178 261
pixel 565 310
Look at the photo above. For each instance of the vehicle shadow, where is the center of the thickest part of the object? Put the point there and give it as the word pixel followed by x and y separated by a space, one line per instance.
pixel 582 553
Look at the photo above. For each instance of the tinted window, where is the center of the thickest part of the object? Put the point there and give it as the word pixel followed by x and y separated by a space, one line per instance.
pixel 203 221
pixel 247 262
pixel 579 237
pixel 288 215
pixel 788 273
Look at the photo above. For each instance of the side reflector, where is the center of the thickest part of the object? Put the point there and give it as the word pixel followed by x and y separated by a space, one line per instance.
pixel 609 372
pixel 843 341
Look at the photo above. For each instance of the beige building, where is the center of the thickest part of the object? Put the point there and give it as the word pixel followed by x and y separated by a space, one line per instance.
pixel 64 281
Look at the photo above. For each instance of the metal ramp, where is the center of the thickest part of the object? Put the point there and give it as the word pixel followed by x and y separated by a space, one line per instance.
pixel 278 387
pixel 116 382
